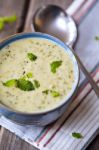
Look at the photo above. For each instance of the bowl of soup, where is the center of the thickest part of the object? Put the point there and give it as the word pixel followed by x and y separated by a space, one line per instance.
pixel 38 78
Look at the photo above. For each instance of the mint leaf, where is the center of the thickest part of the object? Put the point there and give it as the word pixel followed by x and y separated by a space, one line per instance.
pixel 21 83
pixel 9 19
pixel 36 84
pixel 10 83
pixel 97 38
pixel 55 93
pixel 31 56
pixel 29 75
pixel 25 85
pixel 54 65
pixel 1 25
pixel 77 135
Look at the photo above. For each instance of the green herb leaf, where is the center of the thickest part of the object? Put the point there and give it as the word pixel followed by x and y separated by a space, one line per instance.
pixel 1 25
pixel 54 65
pixel 23 77
pixel 77 135
pixel 29 75
pixel 6 19
pixel 25 85
pixel 11 83
pixel 9 19
pixel 45 92
pixel 97 38
pixel 1 19
pixel 31 56
pixel 36 84
pixel 55 93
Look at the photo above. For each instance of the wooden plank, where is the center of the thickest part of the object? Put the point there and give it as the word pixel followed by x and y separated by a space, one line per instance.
pixel 94 145
pixel 11 142
pixel 7 8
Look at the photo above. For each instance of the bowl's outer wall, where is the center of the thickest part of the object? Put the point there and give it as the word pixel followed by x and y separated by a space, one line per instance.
pixel 38 119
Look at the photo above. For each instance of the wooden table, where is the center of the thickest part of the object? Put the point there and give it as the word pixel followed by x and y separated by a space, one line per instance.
pixel 24 10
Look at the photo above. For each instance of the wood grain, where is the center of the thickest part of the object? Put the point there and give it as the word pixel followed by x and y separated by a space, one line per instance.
pixel 7 8
pixel 11 142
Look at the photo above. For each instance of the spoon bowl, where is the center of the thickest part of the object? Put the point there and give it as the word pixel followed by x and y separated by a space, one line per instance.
pixel 55 21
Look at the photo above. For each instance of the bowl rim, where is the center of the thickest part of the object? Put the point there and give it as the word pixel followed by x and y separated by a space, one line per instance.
pixel 19 36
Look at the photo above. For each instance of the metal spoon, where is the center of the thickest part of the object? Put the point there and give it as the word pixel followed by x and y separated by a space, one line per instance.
pixel 53 20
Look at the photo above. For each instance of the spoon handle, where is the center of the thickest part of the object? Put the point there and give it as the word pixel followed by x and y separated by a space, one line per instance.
pixel 87 74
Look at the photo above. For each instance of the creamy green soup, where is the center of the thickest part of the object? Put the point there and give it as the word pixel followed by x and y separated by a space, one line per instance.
pixel 35 75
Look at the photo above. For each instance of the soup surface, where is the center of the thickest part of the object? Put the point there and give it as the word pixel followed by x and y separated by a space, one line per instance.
pixel 35 75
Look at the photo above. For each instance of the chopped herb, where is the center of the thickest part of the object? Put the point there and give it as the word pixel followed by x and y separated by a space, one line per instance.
pixel 31 56
pixel 45 91
pixel 36 84
pixel 21 83
pixel 55 93
pixel 29 75
pixel 77 135
pixel 1 25
pixel 97 38
pixel 7 19
pixel 25 85
pixel 10 83
pixel 24 77
pixel 54 65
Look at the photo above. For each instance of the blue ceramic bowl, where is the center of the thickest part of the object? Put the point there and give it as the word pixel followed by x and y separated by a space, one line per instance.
pixel 44 117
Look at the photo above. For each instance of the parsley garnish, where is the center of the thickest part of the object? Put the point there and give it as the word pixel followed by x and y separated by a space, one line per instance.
pixel 1 25
pixel 77 135
pixel 21 83
pixel 7 19
pixel 29 75
pixel 25 85
pixel 97 38
pixel 55 93
pixel 54 65
pixel 31 56
pixel 11 83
